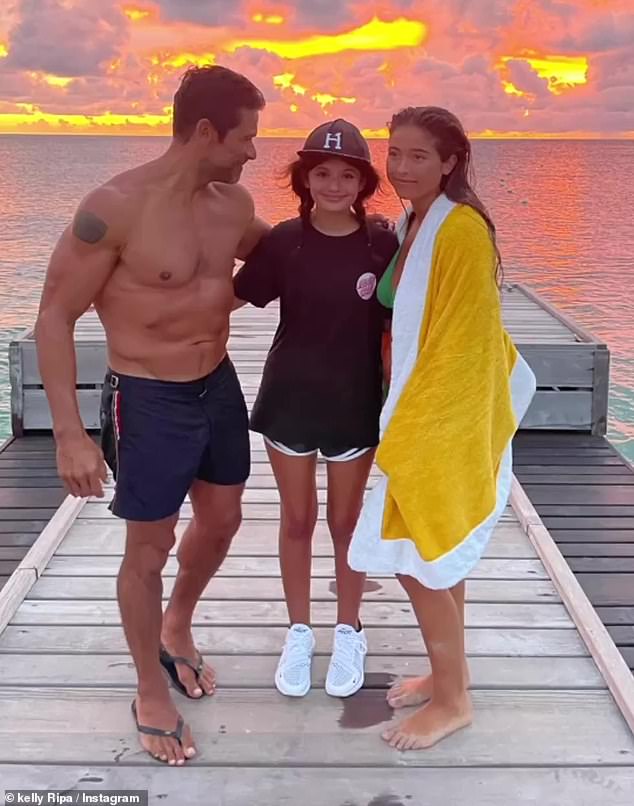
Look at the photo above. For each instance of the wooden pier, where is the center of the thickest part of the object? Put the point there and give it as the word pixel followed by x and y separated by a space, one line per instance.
pixel 554 699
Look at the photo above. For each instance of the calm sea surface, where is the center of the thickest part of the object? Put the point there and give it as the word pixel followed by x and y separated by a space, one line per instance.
pixel 563 211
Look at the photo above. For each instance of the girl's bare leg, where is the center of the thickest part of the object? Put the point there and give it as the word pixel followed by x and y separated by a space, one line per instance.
pixel 449 708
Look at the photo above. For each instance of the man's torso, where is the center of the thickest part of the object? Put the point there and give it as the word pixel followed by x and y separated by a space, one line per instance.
pixel 166 305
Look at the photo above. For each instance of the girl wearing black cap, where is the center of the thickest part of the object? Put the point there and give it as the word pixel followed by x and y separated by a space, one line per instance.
pixel 321 390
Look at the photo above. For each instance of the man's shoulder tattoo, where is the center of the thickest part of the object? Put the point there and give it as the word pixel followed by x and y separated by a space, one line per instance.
pixel 88 227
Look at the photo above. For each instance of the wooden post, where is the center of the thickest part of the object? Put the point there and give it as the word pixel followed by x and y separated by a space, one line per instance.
pixel 17 389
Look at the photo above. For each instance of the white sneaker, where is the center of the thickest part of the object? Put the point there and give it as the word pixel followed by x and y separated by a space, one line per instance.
pixel 346 672
pixel 292 676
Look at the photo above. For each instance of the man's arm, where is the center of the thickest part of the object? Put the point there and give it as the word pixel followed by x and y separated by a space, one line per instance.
pixel 80 266
pixel 256 229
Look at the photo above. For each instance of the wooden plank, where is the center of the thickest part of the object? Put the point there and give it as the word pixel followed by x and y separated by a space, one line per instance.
pixel 31 498
pixel 36 413
pixel 12 553
pixel 375 786
pixel 594 634
pixel 375 614
pixel 610 513
pixel 601 391
pixel 234 640
pixel 258 671
pixel 259 538
pixel 250 511
pixel 535 439
pixel 7 567
pixel 559 410
pixel 232 589
pixel 547 479
pixel 612 616
pixel 581 494
pixel 584 524
pixel 90 359
pixel 571 326
pixel 628 656
pixel 16 385
pixel 22 526
pixel 608 589
pixel 533 459
pixel 28 461
pixel 12 593
pixel 602 565
pixel 622 635
pixel 248 567
pixel 548 728
pixel 17 539
pixel 19 482
pixel 30 442
pixel 598 549
pixel 573 452
pixel 561 366
pixel 23 514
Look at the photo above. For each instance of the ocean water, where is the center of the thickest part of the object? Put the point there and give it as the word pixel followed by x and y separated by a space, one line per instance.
pixel 562 209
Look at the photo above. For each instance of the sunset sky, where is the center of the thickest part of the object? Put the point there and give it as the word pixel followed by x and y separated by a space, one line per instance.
pixel 506 67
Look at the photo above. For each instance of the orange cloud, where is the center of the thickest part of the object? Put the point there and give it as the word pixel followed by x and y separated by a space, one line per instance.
pixel 136 14
pixel 31 118
pixel 324 99
pixel 507 67
pixel 52 81
pixel 285 81
pixel 174 61
pixel 269 19
pixel 560 72
pixel 376 35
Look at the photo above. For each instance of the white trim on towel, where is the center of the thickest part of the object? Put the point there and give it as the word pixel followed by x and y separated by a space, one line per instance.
pixel 368 551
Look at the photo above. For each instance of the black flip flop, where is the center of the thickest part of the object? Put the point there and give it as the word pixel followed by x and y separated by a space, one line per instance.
pixel 177 733
pixel 169 663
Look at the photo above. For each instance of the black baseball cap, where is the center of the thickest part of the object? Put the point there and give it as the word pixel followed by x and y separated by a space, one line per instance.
pixel 337 139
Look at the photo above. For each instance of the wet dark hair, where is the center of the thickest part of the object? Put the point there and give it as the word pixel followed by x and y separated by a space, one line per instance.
pixel 450 138
pixel 216 94
pixel 297 174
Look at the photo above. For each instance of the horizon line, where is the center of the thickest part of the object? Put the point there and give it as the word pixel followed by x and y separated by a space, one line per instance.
pixel 625 136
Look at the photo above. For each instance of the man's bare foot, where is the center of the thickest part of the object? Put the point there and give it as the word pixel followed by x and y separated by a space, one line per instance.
pixel 429 725
pixel 181 645
pixel 160 714
pixel 415 690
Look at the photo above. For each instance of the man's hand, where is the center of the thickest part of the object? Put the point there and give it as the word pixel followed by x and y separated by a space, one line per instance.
pixel 81 466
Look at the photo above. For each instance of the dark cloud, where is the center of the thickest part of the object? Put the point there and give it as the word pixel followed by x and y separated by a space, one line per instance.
pixel 602 34
pixel 484 13
pixel 522 76
pixel 325 15
pixel 66 40
pixel 201 12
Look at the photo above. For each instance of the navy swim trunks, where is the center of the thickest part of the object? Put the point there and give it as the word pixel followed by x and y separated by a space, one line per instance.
pixel 158 437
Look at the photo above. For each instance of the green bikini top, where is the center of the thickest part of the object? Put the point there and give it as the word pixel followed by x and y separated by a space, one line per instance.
pixel 386 292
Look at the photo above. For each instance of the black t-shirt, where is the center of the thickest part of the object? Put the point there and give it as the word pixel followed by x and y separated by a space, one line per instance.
pixel 322 381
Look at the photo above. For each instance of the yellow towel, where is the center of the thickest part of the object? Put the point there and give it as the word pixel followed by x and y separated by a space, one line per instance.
pixel 461 389
pixel 442 449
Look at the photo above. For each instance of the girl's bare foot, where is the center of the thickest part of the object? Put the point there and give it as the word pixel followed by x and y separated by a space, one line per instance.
pixel 430 724
pixel 415 690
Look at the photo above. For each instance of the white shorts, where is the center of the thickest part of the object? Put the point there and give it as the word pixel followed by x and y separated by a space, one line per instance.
pixel 345 456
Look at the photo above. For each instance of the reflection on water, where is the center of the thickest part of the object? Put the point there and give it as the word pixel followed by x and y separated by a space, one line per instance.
pixel 561 209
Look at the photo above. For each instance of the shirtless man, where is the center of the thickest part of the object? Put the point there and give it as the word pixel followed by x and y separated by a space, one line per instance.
pixel 153 249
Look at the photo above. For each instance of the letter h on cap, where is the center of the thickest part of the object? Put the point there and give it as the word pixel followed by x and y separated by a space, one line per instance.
pixel 333 137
